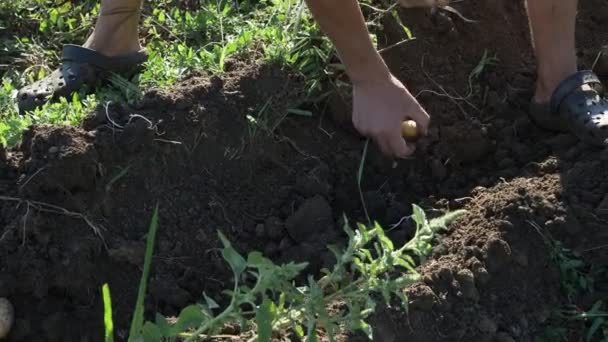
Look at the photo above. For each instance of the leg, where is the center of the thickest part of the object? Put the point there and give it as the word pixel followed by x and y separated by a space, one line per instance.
pixel 565 99
pixel 116 49
pixel 116 30
pixel 553 25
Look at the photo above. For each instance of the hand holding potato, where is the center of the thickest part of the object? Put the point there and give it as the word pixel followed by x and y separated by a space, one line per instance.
pixel 380 108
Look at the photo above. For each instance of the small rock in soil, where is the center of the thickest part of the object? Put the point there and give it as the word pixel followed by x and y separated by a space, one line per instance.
pixel 487 326
pixel 274 227
pixel 421 297
pixel 498 254
pixel 314 217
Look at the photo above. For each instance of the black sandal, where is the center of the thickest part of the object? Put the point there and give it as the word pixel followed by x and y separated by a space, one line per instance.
pixel 572 109
pixel 81 67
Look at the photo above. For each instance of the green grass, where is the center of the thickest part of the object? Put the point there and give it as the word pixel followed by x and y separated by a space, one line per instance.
pixel 108 321
pixel 178 40
pixel 575 279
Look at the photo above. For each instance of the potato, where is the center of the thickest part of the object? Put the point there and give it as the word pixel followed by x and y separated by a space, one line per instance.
pixel 409 130
pixel 7 314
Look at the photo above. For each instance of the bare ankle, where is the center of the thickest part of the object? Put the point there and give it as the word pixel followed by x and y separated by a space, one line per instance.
pixel 115 33
pixel 549 80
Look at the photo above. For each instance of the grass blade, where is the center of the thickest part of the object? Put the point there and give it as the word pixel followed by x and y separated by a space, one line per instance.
pixel 138 316
pixel 360 177
pixel 107 314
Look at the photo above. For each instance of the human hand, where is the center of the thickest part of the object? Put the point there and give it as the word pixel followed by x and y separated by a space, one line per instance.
pixel 380 106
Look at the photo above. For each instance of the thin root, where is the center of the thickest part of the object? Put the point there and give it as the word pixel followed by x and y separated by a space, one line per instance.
pixel 51 208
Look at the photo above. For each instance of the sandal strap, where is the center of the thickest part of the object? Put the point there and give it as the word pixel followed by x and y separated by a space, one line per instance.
pixel 80 54
pixel 573 83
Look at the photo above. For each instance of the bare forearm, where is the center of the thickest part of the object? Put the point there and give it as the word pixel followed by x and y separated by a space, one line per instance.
pixel 343 22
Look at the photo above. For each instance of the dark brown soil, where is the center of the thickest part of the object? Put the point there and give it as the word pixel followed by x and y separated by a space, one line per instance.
pixel 192 151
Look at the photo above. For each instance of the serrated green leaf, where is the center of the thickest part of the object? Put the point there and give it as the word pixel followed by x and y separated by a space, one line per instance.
pixel 387 244
pixel 234 259
pixel 404 263
pixel 211 304
pixel 419 215
pixel 264 317
pixel 256 259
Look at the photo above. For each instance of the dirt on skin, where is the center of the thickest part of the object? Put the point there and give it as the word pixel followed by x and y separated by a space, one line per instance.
pixel 76 202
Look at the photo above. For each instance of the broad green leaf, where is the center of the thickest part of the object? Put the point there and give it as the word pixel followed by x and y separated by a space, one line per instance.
pixel 151 333
pixel 163 325
pixel 234 259
pixel 190 317
pixel 265 315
